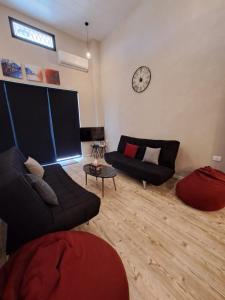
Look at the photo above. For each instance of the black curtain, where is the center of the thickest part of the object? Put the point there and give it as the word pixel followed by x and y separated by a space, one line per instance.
pixel 6 131
pixel 30 113
pixel 65 121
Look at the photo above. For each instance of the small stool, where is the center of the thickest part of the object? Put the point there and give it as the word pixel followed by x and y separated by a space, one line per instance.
pixel 95 150
pixel 102 149
pixel 98 150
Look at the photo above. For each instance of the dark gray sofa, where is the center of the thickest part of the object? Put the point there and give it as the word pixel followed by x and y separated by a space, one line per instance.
pixel 147 172
pixel 26 214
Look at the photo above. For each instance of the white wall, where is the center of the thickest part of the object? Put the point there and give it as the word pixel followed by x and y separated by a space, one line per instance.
pixel 85 83
pixel 183 42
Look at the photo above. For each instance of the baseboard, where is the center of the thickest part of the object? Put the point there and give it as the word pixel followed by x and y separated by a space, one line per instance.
pixel 177 176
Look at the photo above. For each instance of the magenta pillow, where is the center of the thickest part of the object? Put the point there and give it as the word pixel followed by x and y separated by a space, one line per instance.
pixel 130 150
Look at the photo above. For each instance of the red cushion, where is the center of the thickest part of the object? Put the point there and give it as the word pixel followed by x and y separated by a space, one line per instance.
pixel 64 265
pixel 203 189
pixel 130 150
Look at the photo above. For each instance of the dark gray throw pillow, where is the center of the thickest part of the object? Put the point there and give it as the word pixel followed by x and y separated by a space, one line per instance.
pixel 43 189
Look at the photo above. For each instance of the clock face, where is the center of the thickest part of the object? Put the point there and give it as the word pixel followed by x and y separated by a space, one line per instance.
pixel 141 79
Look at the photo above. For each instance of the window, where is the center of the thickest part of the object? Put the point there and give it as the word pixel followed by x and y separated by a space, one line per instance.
pixel 30 34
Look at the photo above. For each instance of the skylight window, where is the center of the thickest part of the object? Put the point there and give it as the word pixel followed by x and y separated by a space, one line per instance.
pixel 32 34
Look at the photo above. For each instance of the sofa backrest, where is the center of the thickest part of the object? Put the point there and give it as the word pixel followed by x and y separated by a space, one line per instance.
pixel 23 210
pixel 21 207
pixel 168 154
pixel 20 203
pixel 12 160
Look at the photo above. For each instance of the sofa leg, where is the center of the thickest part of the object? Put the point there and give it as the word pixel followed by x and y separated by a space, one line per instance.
pixel 144 184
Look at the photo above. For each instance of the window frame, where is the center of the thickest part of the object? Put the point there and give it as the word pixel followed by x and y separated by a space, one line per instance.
pixel 11 20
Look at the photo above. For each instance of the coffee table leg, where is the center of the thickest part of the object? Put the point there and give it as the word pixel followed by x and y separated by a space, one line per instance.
pixel 102 187
pixel 114 183
pixel 86 178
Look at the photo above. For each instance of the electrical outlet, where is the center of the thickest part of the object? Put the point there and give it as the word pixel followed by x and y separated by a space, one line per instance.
pixel 217 158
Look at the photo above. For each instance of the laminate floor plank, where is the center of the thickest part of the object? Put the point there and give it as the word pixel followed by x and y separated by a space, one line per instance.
pixel 169 250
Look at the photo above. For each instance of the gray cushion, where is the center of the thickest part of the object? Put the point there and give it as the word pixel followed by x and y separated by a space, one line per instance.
pixel 152 155
pixel 43 189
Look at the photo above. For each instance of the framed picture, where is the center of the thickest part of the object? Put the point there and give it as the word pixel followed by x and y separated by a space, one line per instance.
pixel 34 73
pixel 11 68
pixel 52 76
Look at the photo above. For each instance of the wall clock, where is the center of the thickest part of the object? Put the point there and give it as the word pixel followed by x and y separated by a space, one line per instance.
pixel 141 79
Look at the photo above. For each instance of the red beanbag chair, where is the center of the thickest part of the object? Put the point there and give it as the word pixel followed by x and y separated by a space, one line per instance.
pixel 64 266
pixel 203 189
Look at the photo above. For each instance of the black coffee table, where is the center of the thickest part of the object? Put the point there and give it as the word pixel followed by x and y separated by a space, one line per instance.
pixel 106 172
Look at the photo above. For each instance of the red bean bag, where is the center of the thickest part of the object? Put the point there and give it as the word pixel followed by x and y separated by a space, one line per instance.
pixel 203 189
pixel 64 266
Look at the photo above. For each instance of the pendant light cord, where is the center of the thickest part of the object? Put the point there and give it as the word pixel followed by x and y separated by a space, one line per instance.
pixel 87 35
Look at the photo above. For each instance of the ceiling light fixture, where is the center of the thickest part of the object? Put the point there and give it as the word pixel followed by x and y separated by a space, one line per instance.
pixel 88 53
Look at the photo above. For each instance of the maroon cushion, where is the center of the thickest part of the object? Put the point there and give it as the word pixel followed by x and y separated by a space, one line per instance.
pixel 130 150
pixel 64 265
pixel 203 189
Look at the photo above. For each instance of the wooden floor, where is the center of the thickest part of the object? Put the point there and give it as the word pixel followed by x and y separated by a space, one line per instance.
pixel 169 251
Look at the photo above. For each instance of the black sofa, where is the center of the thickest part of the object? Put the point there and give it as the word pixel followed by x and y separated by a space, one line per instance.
pixel 26 214
pixel 147 172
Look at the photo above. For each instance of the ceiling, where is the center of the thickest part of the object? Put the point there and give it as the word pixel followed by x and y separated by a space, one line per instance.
pixel 70 15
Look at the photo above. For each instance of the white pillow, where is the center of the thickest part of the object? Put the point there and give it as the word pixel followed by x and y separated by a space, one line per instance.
pixel 152 155
pixel 34 167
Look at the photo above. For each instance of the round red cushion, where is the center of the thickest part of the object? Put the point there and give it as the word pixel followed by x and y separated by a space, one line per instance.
pixel 64 265
pixel 203 189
